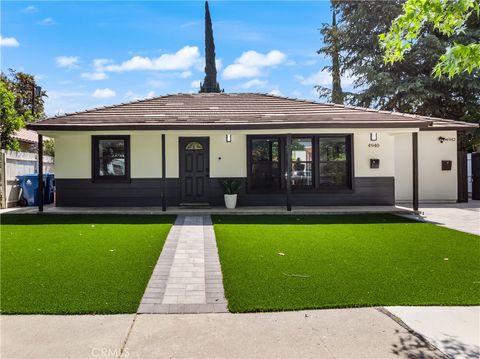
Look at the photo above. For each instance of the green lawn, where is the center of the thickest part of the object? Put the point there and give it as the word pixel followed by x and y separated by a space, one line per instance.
pixel 62 264
pixel 298 262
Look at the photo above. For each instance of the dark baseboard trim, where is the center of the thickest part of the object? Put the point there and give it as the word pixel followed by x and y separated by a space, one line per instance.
pixel 147 192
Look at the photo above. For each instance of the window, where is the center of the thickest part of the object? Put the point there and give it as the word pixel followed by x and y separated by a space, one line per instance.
pixel 111 158
pixel 194 146
pixel 302 162
pixel 264 163
pixel 333 162
pixel 318 162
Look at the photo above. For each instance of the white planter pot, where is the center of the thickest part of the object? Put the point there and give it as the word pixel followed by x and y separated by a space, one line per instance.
pixel 230 201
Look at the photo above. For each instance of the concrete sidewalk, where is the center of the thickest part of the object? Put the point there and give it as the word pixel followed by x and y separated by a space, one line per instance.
pixel 336 333
pixel 453 330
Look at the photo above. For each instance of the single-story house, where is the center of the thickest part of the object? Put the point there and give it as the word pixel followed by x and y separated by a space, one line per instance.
pixel 176 149
pixel 27 140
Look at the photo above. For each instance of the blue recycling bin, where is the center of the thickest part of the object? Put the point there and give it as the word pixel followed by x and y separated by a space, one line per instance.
pixel 29 185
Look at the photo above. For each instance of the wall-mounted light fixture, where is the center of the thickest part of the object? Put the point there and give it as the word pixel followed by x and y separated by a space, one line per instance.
pixel 373 136
pixel 228 137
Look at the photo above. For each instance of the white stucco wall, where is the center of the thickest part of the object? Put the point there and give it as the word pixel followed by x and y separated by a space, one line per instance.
pixel 145 155
pixel 403 167
pixel 73 152
pixel 433 183
pixel 73 156
pixel 382 149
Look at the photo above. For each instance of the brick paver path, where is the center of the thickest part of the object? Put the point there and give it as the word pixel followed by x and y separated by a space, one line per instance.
pixel 187 277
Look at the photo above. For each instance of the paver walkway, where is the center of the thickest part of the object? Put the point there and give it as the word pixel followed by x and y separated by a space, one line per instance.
pixel 187 277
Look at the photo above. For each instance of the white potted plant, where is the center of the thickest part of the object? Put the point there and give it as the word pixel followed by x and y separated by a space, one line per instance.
pixel 231 187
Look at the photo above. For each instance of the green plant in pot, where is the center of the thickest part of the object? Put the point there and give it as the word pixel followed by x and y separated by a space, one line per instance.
pixel 231 188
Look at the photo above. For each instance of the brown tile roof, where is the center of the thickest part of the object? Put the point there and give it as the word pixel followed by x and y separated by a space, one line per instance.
pixel 234 111
pixel 25 135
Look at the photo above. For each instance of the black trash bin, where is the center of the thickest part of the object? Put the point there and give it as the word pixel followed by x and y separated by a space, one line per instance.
pixel 48 194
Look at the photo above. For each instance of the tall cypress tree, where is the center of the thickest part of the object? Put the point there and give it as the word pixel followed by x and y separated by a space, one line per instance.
pixel 210 83
pixel 337 96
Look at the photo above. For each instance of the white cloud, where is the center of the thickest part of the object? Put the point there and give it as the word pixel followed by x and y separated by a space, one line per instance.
pixel 324 78
pixel 256 83
pixel 99 63
pixel 40 77
pixel 321 77
pixel 251 63
pixel 68 62
pixel 183 59
pixel 30 9
pixel 63 94
pixel 276 92
pixel 132 96
pixel 296 94
pixel 103 93
pixel 310 62
pixel 186 74
pixel 157 83
pixel 9 42
pixel 94 76
pixel 47 21
pixel 195 84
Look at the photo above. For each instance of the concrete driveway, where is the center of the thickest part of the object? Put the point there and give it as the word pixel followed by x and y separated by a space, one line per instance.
pixel 463 217
pixel 336 333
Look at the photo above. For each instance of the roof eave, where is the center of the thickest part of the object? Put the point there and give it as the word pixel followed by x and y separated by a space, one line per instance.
pixel 223 126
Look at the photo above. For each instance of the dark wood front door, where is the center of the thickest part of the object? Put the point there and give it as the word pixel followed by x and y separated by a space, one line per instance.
pixel 194 169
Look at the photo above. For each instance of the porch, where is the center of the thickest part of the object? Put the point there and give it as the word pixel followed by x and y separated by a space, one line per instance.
pixel 257 210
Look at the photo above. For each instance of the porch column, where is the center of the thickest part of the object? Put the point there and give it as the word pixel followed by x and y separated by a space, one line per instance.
pixel 164 175
pixel 415 170
pixel 289 172
pixel 40 173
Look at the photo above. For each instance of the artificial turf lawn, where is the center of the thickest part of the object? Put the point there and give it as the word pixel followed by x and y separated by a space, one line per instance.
pixel 344 261
pixel 66 264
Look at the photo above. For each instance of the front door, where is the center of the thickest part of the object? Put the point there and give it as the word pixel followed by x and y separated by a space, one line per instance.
pixel 194 169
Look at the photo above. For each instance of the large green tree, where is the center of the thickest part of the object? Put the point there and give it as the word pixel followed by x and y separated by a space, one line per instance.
pixel 407 86
pixel 11 121
pixel 448 18
pixel 21 85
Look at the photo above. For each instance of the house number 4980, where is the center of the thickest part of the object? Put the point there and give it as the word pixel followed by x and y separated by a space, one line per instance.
pixel 373 145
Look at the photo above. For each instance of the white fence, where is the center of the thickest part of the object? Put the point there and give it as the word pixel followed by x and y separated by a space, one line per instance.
pixel 15 164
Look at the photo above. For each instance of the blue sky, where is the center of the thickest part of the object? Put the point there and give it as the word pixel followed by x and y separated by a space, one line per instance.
pixel 89 54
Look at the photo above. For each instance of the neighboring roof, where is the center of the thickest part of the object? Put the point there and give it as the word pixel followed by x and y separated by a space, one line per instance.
pixel 235 111
pixel 25 135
